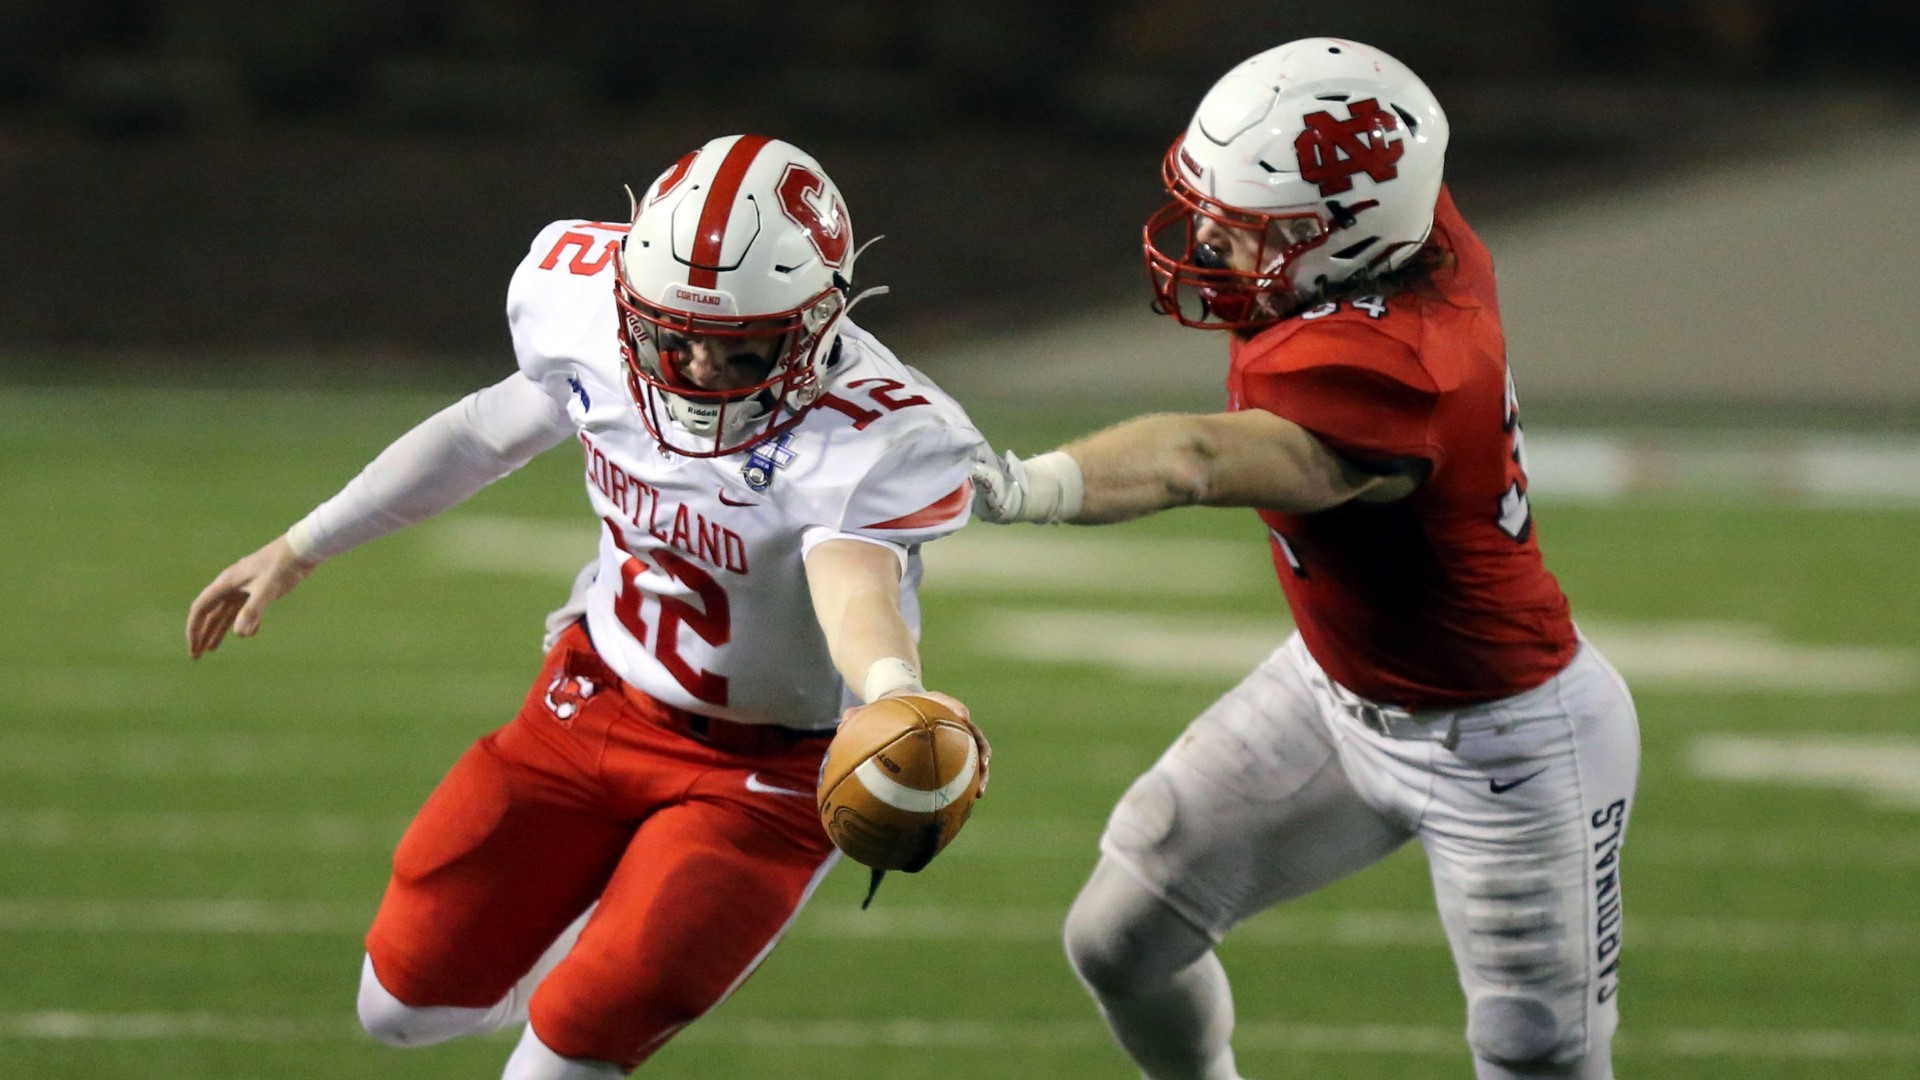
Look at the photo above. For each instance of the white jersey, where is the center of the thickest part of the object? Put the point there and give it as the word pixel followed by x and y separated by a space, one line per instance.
pixel 701 599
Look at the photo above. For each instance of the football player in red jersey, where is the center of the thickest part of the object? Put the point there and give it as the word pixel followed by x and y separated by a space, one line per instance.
pixel 1436 687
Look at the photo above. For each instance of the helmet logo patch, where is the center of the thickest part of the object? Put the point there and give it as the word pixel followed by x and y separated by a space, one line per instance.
pixel 806 202
pixel 1332 152
pixel 672 178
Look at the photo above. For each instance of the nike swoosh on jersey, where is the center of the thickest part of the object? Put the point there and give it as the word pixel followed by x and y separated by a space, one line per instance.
pixel 735 502
pixel 1499 788
pixel 761 787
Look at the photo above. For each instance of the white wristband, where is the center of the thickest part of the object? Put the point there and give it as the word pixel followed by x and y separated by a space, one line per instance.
pixel 886 675
pixel 300 540
pixel 1055 488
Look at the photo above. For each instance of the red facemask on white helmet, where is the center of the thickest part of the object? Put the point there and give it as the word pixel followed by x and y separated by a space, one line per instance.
pixel 1328 151
pixel 745 238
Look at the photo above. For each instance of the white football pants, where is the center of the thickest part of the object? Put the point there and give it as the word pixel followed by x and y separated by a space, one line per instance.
pixel 1290 782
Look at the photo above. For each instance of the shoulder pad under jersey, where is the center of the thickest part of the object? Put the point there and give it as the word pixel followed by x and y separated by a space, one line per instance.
pixel 907 446
pixel 560 305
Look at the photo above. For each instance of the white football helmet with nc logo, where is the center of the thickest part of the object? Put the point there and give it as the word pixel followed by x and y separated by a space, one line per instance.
pixel 743 238
pixel 1331 149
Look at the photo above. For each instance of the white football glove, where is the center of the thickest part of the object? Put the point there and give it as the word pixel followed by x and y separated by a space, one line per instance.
pixel 1046 489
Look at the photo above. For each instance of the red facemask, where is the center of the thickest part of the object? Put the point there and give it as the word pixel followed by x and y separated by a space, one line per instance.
pixel 1193 282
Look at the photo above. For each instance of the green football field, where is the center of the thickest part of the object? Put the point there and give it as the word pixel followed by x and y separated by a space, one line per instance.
pixel 189 852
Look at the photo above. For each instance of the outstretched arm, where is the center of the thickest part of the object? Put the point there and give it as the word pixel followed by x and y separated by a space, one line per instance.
pixel 437 465
pixel 856 598
pixel 1151 463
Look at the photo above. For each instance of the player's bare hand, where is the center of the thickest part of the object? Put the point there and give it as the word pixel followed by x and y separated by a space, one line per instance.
pixel 238 598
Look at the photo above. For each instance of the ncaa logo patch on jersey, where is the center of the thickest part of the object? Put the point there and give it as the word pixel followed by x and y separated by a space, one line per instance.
pixel 567 693
pixel 765 458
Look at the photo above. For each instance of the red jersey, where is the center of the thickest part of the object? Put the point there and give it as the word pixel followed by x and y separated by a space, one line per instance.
pixel 1440 599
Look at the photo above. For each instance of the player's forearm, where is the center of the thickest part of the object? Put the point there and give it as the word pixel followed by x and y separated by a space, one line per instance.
pixel 856 600
pixel 869 634
pixel 437 465
pixel 1251 459
pixel 1138 467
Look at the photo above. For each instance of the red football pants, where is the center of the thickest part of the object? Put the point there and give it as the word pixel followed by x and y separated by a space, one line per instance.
pixel 594 792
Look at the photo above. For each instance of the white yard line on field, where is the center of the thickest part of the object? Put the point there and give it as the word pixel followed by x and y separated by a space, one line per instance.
pixel 1383 929
pixel 1815 848
pixel 1027 837
pixel 1352 929
pixel 1681 656
pixel 977 558
pixel 1269 1035
pixel 1580 466
pixel 952 1034
pixel 203 753
pixel 1164 646
pixel 138 690
pixel 69 1025
pixel 100 916
pixel 1785 467
pixel 1884 768
pixel 1744 656
pixel 543 547
pixel 182 831
pixel 985 558
pixel 1030 837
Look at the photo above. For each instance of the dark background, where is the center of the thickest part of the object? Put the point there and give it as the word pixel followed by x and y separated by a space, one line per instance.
pixel 195 185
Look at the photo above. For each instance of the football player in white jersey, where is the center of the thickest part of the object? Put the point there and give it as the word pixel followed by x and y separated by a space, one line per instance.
pixel 640 835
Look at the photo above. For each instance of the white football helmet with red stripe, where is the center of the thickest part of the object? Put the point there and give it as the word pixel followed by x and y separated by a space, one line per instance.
pixel 1330 149
pixel 745 237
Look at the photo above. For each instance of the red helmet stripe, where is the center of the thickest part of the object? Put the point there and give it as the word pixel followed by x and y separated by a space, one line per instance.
pixel 718 208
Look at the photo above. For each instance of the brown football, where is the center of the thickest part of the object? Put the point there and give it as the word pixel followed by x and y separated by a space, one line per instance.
pixel 900 779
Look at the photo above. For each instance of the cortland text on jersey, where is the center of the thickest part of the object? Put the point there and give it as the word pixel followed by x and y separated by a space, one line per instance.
pixel 675 525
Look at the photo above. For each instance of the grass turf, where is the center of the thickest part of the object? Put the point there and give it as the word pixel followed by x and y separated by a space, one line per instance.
pixel 136 788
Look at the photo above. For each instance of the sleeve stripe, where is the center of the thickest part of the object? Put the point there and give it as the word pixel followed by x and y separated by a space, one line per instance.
pixel 952 503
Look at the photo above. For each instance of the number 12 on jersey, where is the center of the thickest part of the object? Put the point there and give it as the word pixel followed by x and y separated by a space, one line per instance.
pixel 712 620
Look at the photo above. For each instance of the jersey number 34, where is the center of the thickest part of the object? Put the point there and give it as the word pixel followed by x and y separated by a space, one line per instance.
pixel 1516 514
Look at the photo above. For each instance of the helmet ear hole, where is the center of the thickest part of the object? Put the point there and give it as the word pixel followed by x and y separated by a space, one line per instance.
pixel 1352 251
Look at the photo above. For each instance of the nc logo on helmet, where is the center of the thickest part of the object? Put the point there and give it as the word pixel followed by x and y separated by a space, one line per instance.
pixel 567 693
pixel 1332 152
